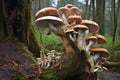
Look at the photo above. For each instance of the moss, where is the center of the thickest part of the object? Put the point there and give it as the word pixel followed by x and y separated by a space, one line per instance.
pixel 29 55
pixel 49 75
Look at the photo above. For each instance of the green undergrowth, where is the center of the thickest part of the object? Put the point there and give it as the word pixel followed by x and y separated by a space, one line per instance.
pixel 49 75
pixel 48 42
pixel 29 55
pixel 112 48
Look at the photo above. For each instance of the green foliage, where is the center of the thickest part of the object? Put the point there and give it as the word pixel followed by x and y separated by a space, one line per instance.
pixel 48 42
pixel 49 75
pixel 112 48
pixel 29 55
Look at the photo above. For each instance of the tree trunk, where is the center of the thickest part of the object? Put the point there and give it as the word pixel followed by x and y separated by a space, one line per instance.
pixel 99 17
pixel 16 23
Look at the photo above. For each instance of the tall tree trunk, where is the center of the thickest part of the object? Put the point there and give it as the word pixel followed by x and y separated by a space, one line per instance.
pixel 115 17
pixel 16 22
pixel 99 17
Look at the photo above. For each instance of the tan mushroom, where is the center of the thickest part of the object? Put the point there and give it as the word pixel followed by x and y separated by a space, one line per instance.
pixel 48 11
pixel 90 41
pixel 74 20
pixel 69 6
pixel 81 30
pixel 99 52
pixel 93 26
pixel 53 23
pixel 72 34
pixel 75 11
pixel 64 13
pixel 101 39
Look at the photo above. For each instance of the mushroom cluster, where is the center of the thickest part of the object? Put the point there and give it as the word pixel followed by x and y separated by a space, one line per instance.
pixel 67 21
pixel 47 60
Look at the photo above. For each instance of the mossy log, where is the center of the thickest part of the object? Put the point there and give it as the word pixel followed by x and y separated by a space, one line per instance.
pixel 112 64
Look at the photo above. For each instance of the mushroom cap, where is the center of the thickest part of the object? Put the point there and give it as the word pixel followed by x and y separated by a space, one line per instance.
pixel 48 11
pixel 50 53
pixel 100 50
pixel 101 39
pixel 69 6
pixel 69 30
pixel 64 10
pixel 43 22
pixel 93 26
pixel 93 38
pixel 81 27
pixel 75 18
pixel 75 10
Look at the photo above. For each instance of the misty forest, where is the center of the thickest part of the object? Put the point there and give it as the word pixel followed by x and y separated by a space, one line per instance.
pixel 60 40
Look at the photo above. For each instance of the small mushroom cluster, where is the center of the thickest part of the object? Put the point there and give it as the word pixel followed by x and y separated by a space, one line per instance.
pixel 47 60
pixel 67 21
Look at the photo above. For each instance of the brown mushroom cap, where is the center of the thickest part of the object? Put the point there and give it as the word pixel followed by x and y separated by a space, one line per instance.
pixel 69 30
pixel 69 6
pixel 93 38
pixel 43 22
pixel 101 39
pixel 48 11
pixel 64 10
pixel 79 26
pixel 75 10
pixel 74 18
pixel 100 50
pixel 93 26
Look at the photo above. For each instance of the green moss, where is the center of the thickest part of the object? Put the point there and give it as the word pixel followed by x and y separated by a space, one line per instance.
pixel 49 75
pixel 29 55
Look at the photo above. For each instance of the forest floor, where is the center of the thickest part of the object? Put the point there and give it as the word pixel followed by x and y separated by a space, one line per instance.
pixel 14 64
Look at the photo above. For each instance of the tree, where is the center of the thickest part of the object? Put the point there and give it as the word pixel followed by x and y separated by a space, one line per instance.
pixel 99 16
pixel 15 22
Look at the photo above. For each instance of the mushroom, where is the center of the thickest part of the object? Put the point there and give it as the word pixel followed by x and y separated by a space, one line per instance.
pixel 72 34
pixel 75 11
pixel 69 6
pixel 64 13
pixel 48 11
pixel 74 20
pixel 53 23
pixel 81 29
pixel 51 56
pixel 91 40
pixel 93 26
pixel 46 63
pixel 42 54
pixel 101 39
pixel 99 53
pixel 40 61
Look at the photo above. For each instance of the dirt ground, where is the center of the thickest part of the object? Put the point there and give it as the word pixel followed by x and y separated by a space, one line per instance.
pixel 13 62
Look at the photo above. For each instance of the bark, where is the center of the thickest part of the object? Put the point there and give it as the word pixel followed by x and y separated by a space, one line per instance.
pixel 75 63
pixel 16 22
pixel 99 17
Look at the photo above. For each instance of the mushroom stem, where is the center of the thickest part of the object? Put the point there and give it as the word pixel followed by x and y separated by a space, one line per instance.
pixel 89 45
pixel 80 39
pixel 53 28
pixel 71 37
pixel 64 19
pixel 86 33
pixel 48 65
pixel 95 57
pixel 85 36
